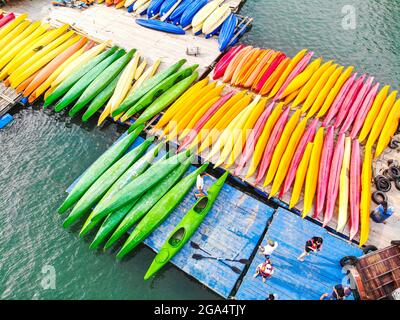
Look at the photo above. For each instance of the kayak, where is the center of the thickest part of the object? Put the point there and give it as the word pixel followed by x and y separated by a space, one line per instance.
pixel 230 69
pixel 365 201
pixel 178 12
pixel 184 230
pixel 130 174
pixel 278 70
pixel 373 113
pixel 290 135
pixel 334 179
pixel 160 26
pixel 264 138
pixel 100 187
pixel 240 67
pixel 227 31
pixel 256 68
pixel 191 11
pixel 312 172
pixel 154 8
pixel 222 65
pixel 6 19
pixel 301 175
pixel 216 19
pixel 324 171
pixel 204 13
pixel 101 165
pixel 248 63
pixel 147 201
pixel 160 211
pixel 355 188
pixel 307 137
pixel 343 215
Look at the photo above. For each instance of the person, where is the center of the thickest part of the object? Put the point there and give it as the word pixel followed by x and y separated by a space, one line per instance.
pixel 265 270
pixel 200 186
pixel 272 296
pixel 339 292
pixel 268 249
pixel 312 245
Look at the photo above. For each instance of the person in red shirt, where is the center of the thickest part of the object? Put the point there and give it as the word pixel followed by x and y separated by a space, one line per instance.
pixel 265 270
pixel 312 245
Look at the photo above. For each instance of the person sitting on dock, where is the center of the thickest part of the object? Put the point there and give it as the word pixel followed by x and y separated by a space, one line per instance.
pixel 200 186
pixel 265 270
pixel 269 248
pixel 339 292
pixel 312 245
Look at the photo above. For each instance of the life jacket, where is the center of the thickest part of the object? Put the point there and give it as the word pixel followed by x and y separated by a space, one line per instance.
pixel 266 269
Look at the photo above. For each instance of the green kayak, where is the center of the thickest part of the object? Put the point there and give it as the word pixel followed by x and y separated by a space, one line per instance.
pixel 186 227
pixel 160 211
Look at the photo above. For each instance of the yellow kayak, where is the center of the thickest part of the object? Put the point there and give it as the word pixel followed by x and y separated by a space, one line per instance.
pixel 284 162
pixel 301 175
pixel 343 214
pixel 302 78
pixel 282 146
pixel 263 140
pixel 151 71
pixel 312 96
pixel 389 129
pixel 324 92
pixel 140 69
pixel 312 172
pixel 365 202
pixel 21 44
pixel 9 27
pixel 203 14
pixel 334 92
pixel 381 119
pixel 304 92
pixel 373 113
pixel 17 35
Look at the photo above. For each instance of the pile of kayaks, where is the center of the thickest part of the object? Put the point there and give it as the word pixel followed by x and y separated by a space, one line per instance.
pixel 209 18
pixel 137 188
pixel 310 145
pixel 69 70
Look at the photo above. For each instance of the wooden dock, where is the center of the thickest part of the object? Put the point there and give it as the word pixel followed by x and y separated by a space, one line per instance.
pixel 8 99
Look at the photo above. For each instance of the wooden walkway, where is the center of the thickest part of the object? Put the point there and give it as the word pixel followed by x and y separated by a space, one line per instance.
pixel 294 280
pixel 8 98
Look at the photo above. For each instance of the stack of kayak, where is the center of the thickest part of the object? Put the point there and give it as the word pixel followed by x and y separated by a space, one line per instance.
pixel 285 147
pixel 68 69
pixel 137 189
pixel 209 18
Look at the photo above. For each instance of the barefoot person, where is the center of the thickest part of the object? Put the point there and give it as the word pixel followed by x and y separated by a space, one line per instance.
pixel 200 186
pixel 265 270
pixel 269 248
pixel 312 245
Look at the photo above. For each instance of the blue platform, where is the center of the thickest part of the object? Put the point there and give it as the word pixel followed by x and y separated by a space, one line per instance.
pixel 292 279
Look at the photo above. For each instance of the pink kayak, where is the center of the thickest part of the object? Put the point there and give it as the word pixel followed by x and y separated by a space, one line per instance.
pixel 296 71
pixel 348 102
pixel 355 188
pixel 7 19
pixel 202 121
pixel 272 142
pixel 221 66
pixel 334 179
pixel 362 113
pixel 307 137
pixel 253 138
pixel 355 108
pixel 269 71
pixel 334 109
pixel 324 171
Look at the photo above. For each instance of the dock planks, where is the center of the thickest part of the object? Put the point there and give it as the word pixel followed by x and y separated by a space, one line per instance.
pixel 294 280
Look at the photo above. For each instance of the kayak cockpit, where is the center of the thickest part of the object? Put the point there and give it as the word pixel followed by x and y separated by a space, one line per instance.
pixel 201 205
pixel 177 237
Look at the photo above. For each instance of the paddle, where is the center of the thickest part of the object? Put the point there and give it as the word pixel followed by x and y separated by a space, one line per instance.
pixel 199 257
pixel 195 245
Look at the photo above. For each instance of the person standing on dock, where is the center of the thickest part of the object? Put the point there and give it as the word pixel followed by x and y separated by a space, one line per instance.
pixel 268 249
pixel 265 270
pixel 200 186
pixel 339 292
pixel 312 245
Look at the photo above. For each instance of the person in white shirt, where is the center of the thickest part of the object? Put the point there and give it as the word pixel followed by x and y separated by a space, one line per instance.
pixel 200 186
pixel 268 249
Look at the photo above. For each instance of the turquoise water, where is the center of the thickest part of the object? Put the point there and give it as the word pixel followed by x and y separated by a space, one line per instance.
pixel 42 153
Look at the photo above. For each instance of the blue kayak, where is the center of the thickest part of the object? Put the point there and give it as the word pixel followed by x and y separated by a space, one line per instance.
pixel 191 11
pixel 160 26
pixel 154 8
pixel 227 31
pixel 166 6
pixel 175 16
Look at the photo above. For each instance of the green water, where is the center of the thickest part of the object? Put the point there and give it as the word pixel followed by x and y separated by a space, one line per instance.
pixel 42 153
